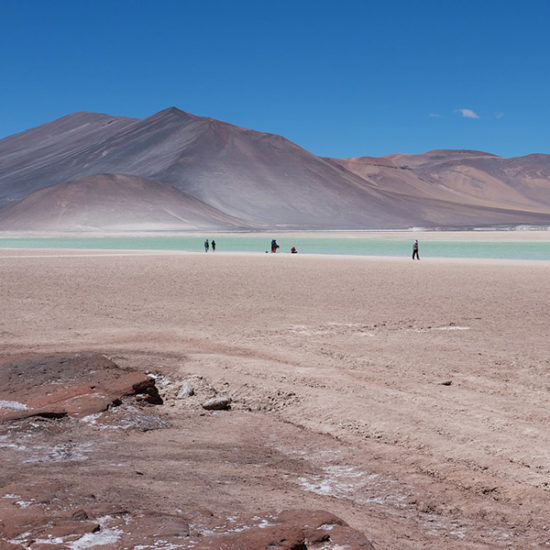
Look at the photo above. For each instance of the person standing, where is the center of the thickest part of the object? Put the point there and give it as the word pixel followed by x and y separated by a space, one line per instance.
pixel 206 245
pixel 213 245
pixel 415 250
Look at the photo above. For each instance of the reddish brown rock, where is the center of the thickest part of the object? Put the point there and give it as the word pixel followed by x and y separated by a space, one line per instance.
pixel 26 513
pixel 118 527
pixel 68 528
pixel 288 530
pixel 67 385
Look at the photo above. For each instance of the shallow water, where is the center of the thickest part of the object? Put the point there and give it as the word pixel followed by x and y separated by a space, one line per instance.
pixel 436 248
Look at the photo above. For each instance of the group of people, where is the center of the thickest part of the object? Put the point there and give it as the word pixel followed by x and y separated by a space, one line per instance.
pixel 275 246
pixel 207 245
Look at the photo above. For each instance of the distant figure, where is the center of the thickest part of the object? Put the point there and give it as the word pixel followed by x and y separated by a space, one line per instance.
pixel 213 245
pixel 206 245
pixel 274 246
pixel 293 250
pixel 415 251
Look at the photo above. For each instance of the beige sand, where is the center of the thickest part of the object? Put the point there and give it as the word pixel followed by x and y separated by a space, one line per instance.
pixel 337 369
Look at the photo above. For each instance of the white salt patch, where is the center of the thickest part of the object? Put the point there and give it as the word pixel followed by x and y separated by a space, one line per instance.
pixel 160 379
pixel 343 471
pixel 324 487
pixel 24 503
pixel 264 523
pixel 13 405
pixel 57 453
pixel 345 482
pixel 239 529
pixel 21 538
pixel 459 533
pixel 91 418
pixel 13 446
pixel 452 327
pixel 49 540
pixel 11 496
pixel 159 545
pixel 106 536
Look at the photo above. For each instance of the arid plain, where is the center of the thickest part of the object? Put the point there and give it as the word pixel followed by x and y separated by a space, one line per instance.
pixel 408 398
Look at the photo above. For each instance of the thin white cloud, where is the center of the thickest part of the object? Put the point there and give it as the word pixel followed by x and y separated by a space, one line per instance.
pixel 434 115
pixel 467 113
pixel 499 115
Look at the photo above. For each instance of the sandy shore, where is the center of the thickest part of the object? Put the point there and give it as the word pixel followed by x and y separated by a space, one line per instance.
pixel 409 398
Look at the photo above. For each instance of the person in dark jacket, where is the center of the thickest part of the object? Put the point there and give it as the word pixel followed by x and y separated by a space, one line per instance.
pixel 415 251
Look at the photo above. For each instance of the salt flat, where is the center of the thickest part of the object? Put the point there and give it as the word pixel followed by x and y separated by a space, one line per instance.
pixel 408 398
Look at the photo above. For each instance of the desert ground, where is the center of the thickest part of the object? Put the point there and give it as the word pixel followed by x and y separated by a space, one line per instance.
pixel 409 399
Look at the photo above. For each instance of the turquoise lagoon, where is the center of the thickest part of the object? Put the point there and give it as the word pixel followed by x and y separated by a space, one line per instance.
pixel 523 249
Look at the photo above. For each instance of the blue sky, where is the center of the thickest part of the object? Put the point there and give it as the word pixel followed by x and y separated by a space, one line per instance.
pixel 341 79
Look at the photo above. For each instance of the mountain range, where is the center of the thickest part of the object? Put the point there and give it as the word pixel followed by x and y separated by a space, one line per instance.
pixel 176 171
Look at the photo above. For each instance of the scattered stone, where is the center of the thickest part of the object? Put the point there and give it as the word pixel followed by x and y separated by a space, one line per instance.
pixel 80 515
pixel 447 383
pixel 149 394
pixel 217 404
pixel 187 390
pixel 425 507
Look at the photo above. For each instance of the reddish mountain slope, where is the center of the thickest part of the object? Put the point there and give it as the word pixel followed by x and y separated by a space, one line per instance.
pixel 463 177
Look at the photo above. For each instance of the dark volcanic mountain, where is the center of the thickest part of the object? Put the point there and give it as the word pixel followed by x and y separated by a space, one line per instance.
pixel 174 170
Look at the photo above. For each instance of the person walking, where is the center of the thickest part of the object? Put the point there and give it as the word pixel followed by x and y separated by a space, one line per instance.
pixel 415 251
pixel 206 245
pixel 213 245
